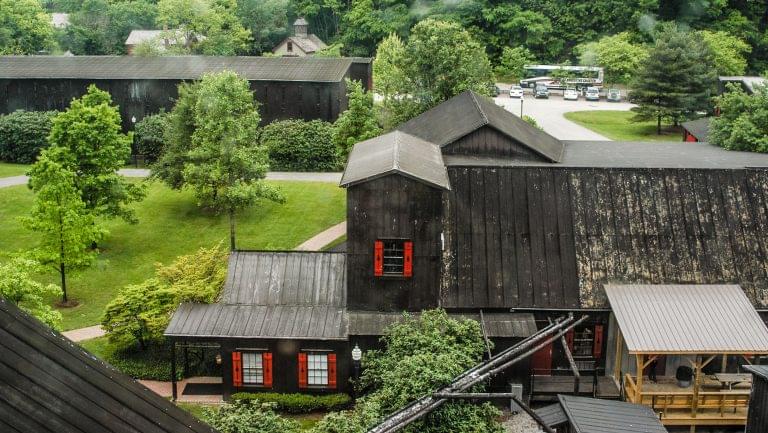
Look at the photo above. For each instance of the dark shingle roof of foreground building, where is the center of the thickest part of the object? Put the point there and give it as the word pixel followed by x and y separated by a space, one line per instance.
pixel 314 69
pixel 591 415
pixel 50 384
pixel 467 112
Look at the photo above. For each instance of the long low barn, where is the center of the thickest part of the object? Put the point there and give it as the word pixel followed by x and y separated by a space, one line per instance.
pixel 305 88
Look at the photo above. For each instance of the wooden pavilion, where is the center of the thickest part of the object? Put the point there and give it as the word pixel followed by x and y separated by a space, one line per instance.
pixel 662 329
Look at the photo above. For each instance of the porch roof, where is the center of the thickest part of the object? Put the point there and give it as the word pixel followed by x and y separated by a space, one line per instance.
pixel 691 319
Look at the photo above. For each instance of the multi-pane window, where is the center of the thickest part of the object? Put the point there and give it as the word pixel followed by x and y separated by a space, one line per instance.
pixel 393 257
pixel 253 368
pixel 394 252
pixel 317 369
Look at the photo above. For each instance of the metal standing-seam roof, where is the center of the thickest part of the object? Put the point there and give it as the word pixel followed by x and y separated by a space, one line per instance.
pixel 693 319
pixel 467 112
pixel 699 128
pixel 747 82
pixel 760 370
pixel 516 325
pixel 396 152
pixel 592 415
pixel 48 384
pixel 314 69
pixel 295 294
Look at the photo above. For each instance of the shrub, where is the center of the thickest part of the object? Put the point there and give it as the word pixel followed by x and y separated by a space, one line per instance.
pixel 248 417
pixel 299 145
pixel 149 136
pixel 743 124
pixel 359 122
pixel 140 313
pixel 23 134
pixel 297 403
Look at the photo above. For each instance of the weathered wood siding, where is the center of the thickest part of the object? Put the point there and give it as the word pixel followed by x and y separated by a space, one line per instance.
pixel 549 237
pixel 393 207
pixel 487 141
pixel 279 99
pixel 757 415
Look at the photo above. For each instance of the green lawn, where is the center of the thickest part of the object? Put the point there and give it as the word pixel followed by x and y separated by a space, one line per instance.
pixel 8 169
pixel 616 125
pixel 170 224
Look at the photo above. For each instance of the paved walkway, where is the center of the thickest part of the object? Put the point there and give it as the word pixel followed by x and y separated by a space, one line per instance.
pixel 164 389
pixel 317 242
pixel 83 334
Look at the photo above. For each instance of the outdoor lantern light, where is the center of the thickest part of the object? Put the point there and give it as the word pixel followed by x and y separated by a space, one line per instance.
pixel 133 119
pixel 357 354
pixel 218 359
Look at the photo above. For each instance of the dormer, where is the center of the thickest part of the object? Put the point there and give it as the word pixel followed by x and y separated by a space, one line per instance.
pixel 301 28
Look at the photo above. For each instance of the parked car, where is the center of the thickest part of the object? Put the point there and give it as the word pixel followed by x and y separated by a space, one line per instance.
pixel 614 95
pixel 541 91
pixel 571 94
pixel 592 94
pixel 515 92
pixel 494 89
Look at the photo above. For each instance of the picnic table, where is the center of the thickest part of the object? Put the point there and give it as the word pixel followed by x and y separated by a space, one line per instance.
pixel 730 379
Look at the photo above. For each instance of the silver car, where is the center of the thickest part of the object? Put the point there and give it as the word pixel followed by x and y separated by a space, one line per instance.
pixel 515 92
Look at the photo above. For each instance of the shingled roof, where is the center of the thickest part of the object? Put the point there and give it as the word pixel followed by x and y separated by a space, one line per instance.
pixel 396 152
pixel 699 128
pixel 50 384
pixel 467 112
pixel 315 69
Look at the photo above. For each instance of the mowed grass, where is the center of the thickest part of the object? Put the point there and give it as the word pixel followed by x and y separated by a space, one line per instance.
pixel 170 225
pixel 617 126
pixel 8 169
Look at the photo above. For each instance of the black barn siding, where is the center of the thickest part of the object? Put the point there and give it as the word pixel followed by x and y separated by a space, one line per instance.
pixel 757 415
pixel 393 207
pixel 487 141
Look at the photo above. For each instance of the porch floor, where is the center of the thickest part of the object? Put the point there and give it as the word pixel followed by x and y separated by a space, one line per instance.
pixel 546 388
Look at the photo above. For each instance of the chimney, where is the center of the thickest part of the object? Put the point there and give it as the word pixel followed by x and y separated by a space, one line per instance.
pixel 300 28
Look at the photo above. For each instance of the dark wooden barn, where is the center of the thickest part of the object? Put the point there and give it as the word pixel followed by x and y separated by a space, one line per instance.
pixel 757 415
pixel 50 384
pixel 303 88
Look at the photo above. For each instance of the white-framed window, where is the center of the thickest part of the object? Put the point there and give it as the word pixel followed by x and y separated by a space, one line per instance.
pixel 253 368
pixel 317 369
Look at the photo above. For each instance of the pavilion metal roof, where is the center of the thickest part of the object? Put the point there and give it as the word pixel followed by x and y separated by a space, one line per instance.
pixel 48 384
pixel 467 112
pixel 692 319
pixel 592 415
pixel 312 69
pixel 396 152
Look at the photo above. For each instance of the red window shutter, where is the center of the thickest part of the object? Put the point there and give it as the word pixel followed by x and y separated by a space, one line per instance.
pixel 332 370
pixel 378 258
pixel 597 349
pixel 408 259
pixel 237 369
pixel 302 370
pixel 569 339
pixel 266 361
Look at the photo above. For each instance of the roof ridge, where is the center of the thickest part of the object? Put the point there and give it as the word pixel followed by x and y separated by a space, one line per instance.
pixel 396 152
pixel 479 107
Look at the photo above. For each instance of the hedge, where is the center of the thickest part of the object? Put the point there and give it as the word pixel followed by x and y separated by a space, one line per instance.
pixel 149 136
pixel 23 134
pixel 298 145
pixel 297 403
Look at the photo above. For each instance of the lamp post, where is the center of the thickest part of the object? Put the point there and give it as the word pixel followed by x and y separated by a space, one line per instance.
pixel 357 355
pixel 133 142
pixel 521 106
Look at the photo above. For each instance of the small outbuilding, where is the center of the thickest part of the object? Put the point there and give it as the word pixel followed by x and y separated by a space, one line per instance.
pixel 301 44
pixel 696 130
pixel 572 414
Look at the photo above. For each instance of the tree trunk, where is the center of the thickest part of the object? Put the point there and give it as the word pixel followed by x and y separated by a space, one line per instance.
pixel 62 268
pixel 63 274
pixel 231 229
pixel 658 125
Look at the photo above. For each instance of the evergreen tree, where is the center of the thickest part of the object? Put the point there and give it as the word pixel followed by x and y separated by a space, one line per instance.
pixel 87 140
pixel 60 217
pixel 677 78
pixel 358 122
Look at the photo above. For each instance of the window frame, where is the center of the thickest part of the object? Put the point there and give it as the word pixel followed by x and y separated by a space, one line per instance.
pixel 324 373
pixel 405 258
pixel 243 368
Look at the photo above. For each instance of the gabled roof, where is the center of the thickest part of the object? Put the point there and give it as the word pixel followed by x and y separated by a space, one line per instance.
pixel 467 112
pixel 592 415
pixel 759 370
pixel 748 83
pixel 308 69
pixel 50 384
pixel 692 319
pixel 396 152
pixel 699 128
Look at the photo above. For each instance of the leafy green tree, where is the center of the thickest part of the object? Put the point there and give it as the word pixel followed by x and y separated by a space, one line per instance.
pixel 518 27
pixel 140 313
pixel 249 417
pixel 25 28
pixel 59 215
pixel 214 24
pixel 730 53
pixel 101 27
pixel 677 79
pixel 388 76
pixel 213 147
pixel 149 133
pixel 18 287
pixel 365 25
pixel 743 120
pixel 512 61
pixel 267 20
pixel 617 54
pixel 87 140
pixel 358 122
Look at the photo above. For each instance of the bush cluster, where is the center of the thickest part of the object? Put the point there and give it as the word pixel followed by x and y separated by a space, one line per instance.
pixel 149 133
pixel 23 134
pixel 297 403
pixel 299 145
pixel 248 417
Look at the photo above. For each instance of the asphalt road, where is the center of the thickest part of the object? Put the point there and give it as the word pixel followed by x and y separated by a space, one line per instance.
pixel 549 114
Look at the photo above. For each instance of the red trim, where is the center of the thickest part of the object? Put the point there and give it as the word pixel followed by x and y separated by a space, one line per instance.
pixel 541 361
pixel 332 370
pixel 237 369
pixel 597 349
pixel 569 339
pixel 378 258
pixel 408 259
pixel 266 360
pixel 302 370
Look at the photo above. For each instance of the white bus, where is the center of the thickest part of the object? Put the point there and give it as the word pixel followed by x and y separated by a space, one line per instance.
pixel 579 77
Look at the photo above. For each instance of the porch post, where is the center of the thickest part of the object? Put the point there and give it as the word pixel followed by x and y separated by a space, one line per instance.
pixel 617 363
pixel 639 396
pixel 696 386
pixel 173 371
